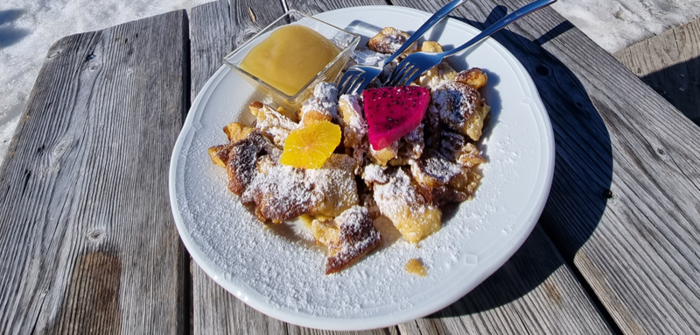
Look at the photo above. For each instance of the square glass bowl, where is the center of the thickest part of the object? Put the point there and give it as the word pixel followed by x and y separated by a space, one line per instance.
pixel 344 40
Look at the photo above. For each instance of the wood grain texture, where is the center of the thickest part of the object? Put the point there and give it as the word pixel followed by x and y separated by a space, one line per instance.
pixel 209 42
pixel 535 292
pixel 315 7
pixel 248 17
pixel 670 64
pixel 541 295
pixel 86 234
pixel 624 202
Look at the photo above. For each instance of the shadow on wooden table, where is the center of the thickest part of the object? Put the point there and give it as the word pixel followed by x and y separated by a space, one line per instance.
pixel 581 185
pixel 678 84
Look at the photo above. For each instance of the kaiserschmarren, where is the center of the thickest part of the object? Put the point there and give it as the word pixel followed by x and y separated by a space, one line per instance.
pixel 356 181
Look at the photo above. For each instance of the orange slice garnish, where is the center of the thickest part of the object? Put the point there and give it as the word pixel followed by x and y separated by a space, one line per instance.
pixel 309 147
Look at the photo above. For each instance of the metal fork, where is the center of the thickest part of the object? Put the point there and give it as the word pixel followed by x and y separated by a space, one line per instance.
pixel 416 63
pixel 357 78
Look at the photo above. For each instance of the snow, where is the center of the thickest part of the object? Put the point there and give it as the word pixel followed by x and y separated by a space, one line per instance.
pixel 29 28
pixel 617 24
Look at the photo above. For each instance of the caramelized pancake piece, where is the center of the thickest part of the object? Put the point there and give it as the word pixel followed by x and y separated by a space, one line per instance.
pixel 433 170
pixel 442 195
pixel 351 120
pixel 415 143
pixel 279 194
pixel 367 201
pixel 389 40
pixel 431 46
pixel 287 113
pixel 340 161
pixel 433 173
pixel 242 157
pixel 459 149
pixel 334 191
pixel 271 123
pixel 408 210
pixel 237 131
pixel 473 77
pixel 466 182
pixel 382 157
pixel 415 266
pixel 356 237
pixel 354 128
pixel 321 106
pixel 324 230
pixel 460 107
pixel 376 174
pixel 219 154
pixel 437 75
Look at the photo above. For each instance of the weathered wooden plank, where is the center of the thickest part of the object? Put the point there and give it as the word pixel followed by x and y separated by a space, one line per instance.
pixel 209 42
pixel 250 16
pixel 86 234
pixel 670 64
pixel 535 292
pixel 314 7
pixel 630 227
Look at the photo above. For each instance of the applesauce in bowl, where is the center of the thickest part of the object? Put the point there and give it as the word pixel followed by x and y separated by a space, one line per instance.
pixel 289 57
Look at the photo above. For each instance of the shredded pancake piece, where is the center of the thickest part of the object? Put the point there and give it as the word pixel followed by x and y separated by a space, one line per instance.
pixel 415 144
pixel 433 170
pixel 408 210
pixel 459 107
pixel 357 237
pixel 334 190
pixel 354 129
pixel 243 155
pixel 474 77
pixel 279 194
pixel 271 123
pixel 434 173
pixel 458 149
pixel 389 40
pixel 322 105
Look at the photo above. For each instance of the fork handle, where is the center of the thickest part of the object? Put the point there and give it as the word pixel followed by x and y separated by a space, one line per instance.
pixel 439 15
pixel 506 20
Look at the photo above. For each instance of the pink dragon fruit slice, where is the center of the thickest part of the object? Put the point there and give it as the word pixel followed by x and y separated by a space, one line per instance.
pixel 392 112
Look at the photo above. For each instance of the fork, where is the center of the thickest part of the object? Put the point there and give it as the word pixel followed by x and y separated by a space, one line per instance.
pixel 416 63
pixel 357 78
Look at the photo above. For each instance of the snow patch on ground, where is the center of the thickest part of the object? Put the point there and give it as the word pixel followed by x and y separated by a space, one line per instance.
pixel 617 24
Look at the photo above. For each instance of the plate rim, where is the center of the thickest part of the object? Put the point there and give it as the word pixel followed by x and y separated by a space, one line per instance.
pixel 385 320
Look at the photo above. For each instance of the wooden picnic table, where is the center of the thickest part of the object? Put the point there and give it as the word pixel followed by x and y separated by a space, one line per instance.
pixel 88 242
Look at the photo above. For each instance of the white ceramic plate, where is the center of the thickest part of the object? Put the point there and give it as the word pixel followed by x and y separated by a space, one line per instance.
pixel 280 273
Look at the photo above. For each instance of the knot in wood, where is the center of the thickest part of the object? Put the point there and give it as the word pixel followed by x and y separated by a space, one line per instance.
pixel 541 70
pixel 96 234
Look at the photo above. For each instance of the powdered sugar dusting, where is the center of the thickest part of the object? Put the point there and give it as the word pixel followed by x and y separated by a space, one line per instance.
pixel 281 193
pixel 324 100
pixel 397 194
pixel 450 103
pixel 275 125
pixel 368 57
pixel 357 237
